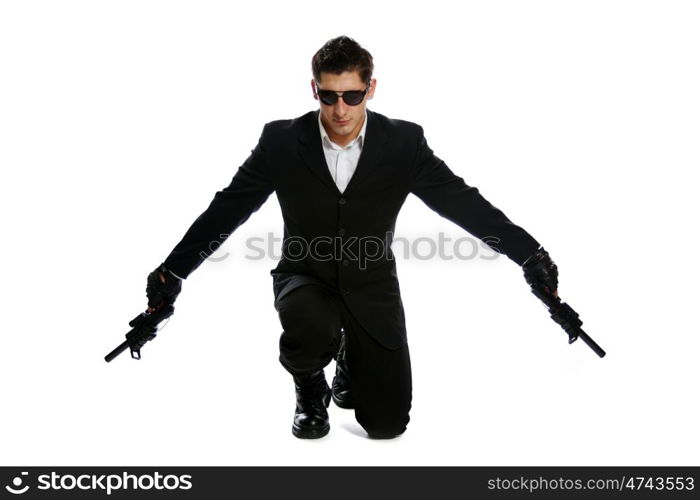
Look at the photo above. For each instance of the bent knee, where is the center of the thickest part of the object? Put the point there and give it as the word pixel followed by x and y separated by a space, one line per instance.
pixel 384 430
pixel 385 434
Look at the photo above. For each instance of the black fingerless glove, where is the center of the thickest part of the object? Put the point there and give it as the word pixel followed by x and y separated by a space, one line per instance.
pixel 539 270
pixel 157 291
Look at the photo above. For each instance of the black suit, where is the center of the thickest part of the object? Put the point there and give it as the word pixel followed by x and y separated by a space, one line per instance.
pixel 395 161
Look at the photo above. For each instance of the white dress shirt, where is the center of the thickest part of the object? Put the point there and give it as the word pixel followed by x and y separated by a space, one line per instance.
pixel 342 161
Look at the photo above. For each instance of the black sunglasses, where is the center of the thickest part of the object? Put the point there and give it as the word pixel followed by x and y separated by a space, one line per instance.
pixel 351 97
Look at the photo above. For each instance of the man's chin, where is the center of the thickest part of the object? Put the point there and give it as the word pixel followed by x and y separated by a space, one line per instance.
pixel 341 131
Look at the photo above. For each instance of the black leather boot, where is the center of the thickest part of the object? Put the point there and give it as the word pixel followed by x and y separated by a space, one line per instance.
pixel 342 395
pixel 313 397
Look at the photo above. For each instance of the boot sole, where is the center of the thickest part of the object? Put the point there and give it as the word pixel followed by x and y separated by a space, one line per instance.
pixel 310 433
pixel 345 405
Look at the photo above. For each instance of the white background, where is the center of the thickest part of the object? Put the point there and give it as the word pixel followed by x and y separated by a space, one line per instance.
pixel 120 120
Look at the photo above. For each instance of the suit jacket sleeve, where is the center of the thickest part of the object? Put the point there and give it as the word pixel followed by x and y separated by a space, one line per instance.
pixel 448 195
pixel 231 207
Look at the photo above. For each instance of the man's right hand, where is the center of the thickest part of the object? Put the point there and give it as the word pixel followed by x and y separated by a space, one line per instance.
pixel 162 286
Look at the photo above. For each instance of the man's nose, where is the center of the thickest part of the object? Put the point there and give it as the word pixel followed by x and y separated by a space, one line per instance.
pixel 341 108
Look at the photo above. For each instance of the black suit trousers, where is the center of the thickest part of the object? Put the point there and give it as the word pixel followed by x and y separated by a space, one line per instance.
pixel 312 317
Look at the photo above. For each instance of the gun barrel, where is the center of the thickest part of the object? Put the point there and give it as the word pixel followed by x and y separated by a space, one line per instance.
pixel 553 303
pixel 591 343
pixel 116 352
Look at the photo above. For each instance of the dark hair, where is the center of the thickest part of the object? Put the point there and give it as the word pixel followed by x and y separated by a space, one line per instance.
pixel 342 54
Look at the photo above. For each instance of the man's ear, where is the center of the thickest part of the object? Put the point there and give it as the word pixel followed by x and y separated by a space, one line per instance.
pixel 373 86
pixel 313 89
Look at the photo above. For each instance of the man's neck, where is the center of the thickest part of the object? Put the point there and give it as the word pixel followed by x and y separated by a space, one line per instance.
pixel 344 140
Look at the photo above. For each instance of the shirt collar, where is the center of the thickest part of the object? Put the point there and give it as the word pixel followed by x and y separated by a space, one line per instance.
pixel 360 137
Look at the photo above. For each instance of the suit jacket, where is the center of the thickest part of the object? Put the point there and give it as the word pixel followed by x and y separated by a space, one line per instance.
pixel 342 240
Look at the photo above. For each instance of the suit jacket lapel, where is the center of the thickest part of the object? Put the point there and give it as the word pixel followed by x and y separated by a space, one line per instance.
pixel 311 150
pixel 372 153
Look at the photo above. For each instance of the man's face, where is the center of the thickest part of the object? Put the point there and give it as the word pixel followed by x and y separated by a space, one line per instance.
pixel 342 121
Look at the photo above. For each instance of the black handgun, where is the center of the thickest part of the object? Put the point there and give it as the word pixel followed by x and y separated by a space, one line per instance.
pixel 144 328
pixel 564 314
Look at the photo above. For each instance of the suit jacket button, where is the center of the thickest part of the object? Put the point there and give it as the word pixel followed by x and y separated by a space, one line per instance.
pixel 346 292
pixel 341 231
pixel 342 201
pixel 346 262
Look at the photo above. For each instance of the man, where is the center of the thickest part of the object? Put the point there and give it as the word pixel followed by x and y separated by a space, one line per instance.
pixel 341 175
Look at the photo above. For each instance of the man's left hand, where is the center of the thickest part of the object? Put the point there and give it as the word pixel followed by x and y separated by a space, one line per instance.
pixel 540 270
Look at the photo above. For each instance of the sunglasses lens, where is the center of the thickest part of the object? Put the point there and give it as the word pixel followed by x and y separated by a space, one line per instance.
pixel 353 97
pixel 328 97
